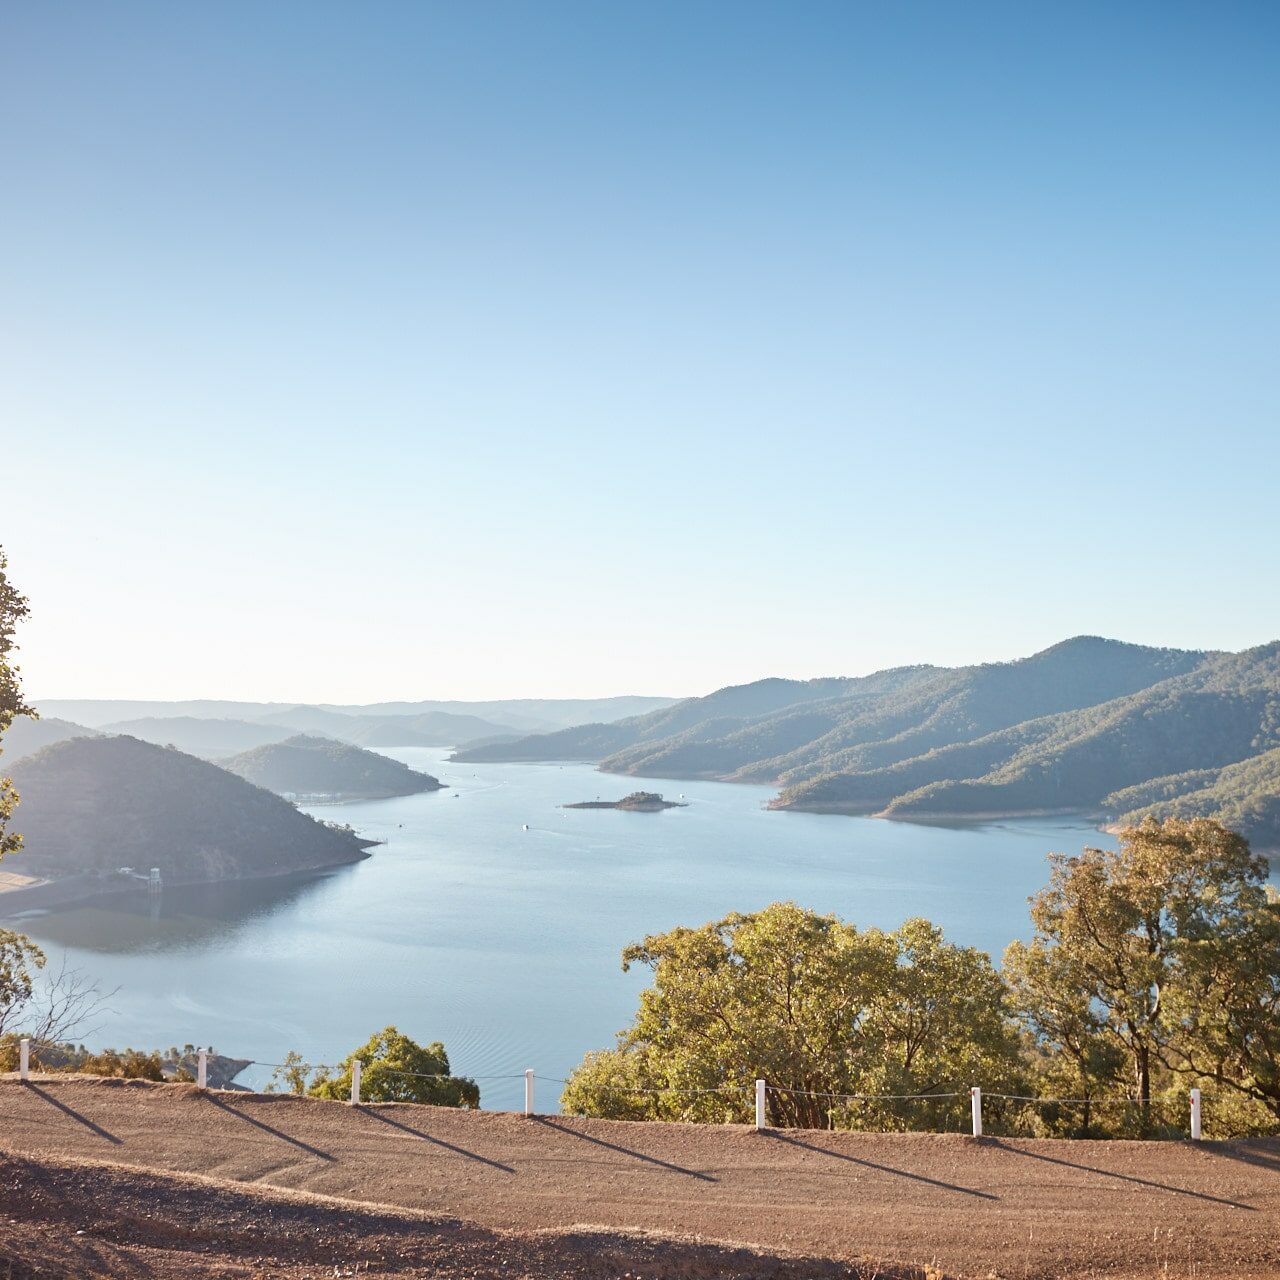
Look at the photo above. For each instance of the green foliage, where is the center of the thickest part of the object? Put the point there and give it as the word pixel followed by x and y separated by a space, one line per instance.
pixel 13 609
pixel 291 1076
pixel 19 958
pixel 64 1059
pixel 1153 969
pixel 132 1064
pixel 395 1069
pixel 806 1002
pixel 1226 1001
pixel 1162 956
pixel 1243 796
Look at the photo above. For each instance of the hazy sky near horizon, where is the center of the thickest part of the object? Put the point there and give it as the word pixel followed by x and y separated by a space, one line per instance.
pixel 403 350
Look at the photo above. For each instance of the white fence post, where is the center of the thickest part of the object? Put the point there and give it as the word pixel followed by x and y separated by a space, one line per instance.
pixel 1195 1115
pixel 356 1067
pixel 975 1105
pixel 528 1091
pixel 24 1059
pixel 761 1121
pixel 202 1069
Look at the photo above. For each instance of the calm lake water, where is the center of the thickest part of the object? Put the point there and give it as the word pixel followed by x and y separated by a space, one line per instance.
pixel 504 943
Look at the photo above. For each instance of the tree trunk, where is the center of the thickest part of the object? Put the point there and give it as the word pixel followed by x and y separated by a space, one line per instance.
pixel 1143 1063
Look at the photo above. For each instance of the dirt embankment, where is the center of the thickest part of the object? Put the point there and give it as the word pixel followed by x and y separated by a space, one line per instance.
pixel 553 1196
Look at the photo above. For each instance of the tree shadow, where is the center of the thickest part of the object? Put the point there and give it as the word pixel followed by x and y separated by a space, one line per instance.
pixel 426 1137
pixel 549 1123
pixel 779 1136
pixel 74 1114
pixel 222 1105
pixel 1123 1177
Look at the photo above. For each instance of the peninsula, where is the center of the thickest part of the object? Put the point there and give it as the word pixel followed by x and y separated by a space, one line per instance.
pixel 307 768
pixel 98 813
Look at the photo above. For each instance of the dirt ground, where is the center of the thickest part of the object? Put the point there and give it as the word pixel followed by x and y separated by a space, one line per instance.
pixel 504 1195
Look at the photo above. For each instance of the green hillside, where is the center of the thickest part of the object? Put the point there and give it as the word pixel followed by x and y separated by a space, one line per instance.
pixel 96 804
pixel 1244 797
pixel 718 714
pixel 310 766
pixel 1225 711
pixel 1061 730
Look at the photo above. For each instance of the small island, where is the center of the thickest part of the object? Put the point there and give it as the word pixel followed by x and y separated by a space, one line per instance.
pixel 636 802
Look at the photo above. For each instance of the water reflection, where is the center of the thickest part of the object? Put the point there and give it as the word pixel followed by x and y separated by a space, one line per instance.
pixel 180 918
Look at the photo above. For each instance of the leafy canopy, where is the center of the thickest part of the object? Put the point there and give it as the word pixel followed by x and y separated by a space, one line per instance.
pixel 1156 954
pixel 395 1069
pixel 808 1003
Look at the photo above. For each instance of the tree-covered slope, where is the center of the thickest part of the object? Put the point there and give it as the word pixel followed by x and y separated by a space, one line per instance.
pixel 1221 713
pixel 791 731
pixel 879 722
pixel 305 765
pixel 730 707
pixel 1244 797
pixel 97 804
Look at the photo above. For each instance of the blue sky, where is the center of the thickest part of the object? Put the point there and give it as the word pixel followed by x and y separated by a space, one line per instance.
pixel 379 350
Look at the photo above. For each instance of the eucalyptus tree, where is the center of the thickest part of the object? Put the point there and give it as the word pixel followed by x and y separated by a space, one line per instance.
pixel 814 1006
pixel 1128 941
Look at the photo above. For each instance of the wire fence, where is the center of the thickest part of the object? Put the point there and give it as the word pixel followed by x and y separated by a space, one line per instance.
pixel 1179 1114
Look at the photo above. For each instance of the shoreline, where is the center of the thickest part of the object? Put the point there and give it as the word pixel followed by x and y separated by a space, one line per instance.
pixel 81 890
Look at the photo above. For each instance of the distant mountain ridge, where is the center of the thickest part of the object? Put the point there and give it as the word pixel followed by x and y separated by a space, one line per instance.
pixel 521 715
pixel 209 739
pixel 26 736
pixel 1058 731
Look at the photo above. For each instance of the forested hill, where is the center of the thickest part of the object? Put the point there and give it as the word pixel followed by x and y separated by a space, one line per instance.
pixel 1244 797
pixel 1060 730
pixel 789 729
pixel 720 711
pixel 305 765
pixel 96 804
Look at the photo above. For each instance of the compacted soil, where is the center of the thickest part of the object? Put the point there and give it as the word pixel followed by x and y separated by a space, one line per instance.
pixel 295 1187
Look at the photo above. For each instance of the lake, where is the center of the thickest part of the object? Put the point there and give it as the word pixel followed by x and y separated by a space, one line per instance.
pixel 505 943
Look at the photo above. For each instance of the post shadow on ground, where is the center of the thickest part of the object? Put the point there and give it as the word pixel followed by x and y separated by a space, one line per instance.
pixel 74 1114
pixel 365 1110
pixel 779 1136
pixel 550 1123
pixel 1248 1152
pixel 1123 1177
pixel 223 1105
